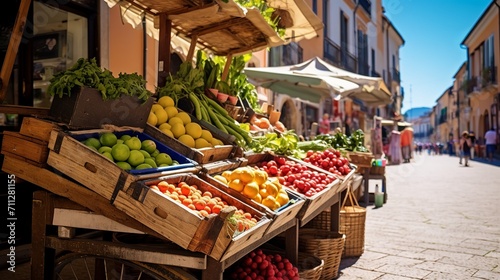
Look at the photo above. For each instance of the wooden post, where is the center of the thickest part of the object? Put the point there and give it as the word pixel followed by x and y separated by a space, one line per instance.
pixel 15 40
pixel 190 54
pixel 164 49
pixel 229 59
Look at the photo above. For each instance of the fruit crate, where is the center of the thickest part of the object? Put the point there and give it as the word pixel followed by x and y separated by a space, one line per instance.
pixel 279 217
pixel 212 235
pixel 91 169
pixel 85 109
pixel 203 155
pixel 314 204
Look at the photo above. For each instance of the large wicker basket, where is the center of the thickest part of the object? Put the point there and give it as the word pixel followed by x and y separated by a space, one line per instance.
pixel 310 266
pixel 325 245
pixel 352 224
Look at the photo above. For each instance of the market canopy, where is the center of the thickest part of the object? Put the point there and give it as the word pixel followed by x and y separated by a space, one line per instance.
pixel 221 27
pixel 315 78
pixel 307 87
pixel 372 90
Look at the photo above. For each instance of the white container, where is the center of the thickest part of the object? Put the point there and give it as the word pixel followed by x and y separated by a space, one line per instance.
pixel 379 197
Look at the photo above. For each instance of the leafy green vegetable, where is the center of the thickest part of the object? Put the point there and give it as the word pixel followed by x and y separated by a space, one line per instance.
pixel 87 73
pixel 354 142
pixel 282 144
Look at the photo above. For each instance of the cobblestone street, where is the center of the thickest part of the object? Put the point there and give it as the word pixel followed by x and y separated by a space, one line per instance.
pixel 441 221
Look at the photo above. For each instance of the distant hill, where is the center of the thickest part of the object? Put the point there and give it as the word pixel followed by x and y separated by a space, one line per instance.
pixel 415 113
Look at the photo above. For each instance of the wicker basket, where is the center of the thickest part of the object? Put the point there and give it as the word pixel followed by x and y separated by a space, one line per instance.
pixel 310 266
pixel 325 245
pixel 352 224
pixel 358 158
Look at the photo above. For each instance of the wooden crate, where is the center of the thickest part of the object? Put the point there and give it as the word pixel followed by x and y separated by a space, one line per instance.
pixel 37 128
pixel 201 156
pixel 221 236
pixel 313 205
pixel 279 217
pixel 32 149
pixel 85 109
pixel 69 156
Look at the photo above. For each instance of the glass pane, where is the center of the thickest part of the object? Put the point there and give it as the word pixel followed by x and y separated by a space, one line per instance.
pixel 60 39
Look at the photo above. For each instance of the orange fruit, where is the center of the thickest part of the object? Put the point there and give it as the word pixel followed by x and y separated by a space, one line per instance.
pixel 236 185
pixel 203 213
pixel 257 198
pixel 260 176
pixel 282 198
pixel 216 209
pixel 187 201
pixel 251 189
pixel 185 190
pixel 199 204
pixel 192 207
pixel 247 175
pixel 208 194
pixel 271 189
pixel 208 209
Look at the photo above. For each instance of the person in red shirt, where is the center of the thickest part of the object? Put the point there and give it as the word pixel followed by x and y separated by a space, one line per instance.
pixel 324 125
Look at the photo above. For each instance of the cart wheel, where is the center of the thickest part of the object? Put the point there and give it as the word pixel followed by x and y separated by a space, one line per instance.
pixel 83 266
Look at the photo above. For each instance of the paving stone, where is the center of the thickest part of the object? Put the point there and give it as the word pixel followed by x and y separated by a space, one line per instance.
pixel 478 262
pixel 356 273
pixel 446 268
pixel 402 270
pixel 482 274
pixel 494 254
pixel 448 276
pixel 394 277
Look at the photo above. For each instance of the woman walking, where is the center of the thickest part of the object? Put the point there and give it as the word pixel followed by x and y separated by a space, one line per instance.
pixel 465 147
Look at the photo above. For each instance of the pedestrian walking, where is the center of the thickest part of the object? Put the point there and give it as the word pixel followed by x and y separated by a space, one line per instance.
pixel 324 124
pixel 465 145
pixel 472 138
pixel 490 140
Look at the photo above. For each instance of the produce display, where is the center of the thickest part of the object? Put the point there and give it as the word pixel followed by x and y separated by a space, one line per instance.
pixel 188 88
pixel 330 160
pixel 355 142
pixel 129 152
pixel 259 265
pixel 296 176
pixel 204 203
pixel 87 73
pixel 255 185
pixel 179 125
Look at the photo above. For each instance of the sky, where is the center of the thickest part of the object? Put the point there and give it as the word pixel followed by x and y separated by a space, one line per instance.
pixel 431 55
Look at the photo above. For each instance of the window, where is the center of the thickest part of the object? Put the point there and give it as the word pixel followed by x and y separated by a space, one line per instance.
pixel 343 37
pixel 362 53
pixel 315 6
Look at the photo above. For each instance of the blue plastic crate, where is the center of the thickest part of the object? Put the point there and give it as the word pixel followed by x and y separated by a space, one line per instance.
pixel 183 161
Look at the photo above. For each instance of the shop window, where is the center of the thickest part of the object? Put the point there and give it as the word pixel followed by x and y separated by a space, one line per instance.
pixel 59 40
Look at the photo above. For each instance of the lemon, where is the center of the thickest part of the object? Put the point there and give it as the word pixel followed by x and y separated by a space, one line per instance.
pixel 125 137
pixel 152 119
pixel 165 125
pixel 251 189
pixel 168 132
pixel 161 115
pixel 148 145
pixel 108 139
pixel 207 135
pixel 201 143
pixel 178 130
pixel 104 149
pixel 174 120
pixel 227 174
pixel 156 107
pixel 135 158
pixel 108 156
pixel 236 185
pixel 143 166
pixel 163 158
pixel 184 117
pixel 247 174
pixel 166 101
pixel 171 111
pixel 120 152
pixel 221 179
pixel 124 165
pixel 134 143
pixel 194 130
pixel 260 176
pixel 93 142
pixel 187 140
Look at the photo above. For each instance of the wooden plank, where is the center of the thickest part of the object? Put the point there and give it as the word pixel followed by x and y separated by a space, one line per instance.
pixel 88 220
pixel 71 190
pixel 12 49
pixel 8 154
pixel 37 128
pixel 164 49
pixel 24 110
pixel 225 72
pixel 42 257
pixel 158 254
pixel 24 146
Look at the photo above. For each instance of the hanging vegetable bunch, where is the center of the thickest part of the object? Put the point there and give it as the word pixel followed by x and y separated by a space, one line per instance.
pixel 87 73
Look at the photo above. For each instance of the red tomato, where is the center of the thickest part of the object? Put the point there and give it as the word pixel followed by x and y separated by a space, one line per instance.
pixel 273 170
pixel 271 163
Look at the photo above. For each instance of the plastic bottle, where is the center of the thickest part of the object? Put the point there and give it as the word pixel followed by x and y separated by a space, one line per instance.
pixel 379 197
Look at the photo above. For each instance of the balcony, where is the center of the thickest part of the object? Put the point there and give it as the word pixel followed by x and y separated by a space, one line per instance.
pixel 337 57
pixel 396 75
pixel 442 119
pixel 367 6
pixel 489 76
pixel 471 85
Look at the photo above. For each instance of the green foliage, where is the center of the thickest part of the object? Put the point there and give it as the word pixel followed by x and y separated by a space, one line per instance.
pixel 266 12
pixel 89 74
